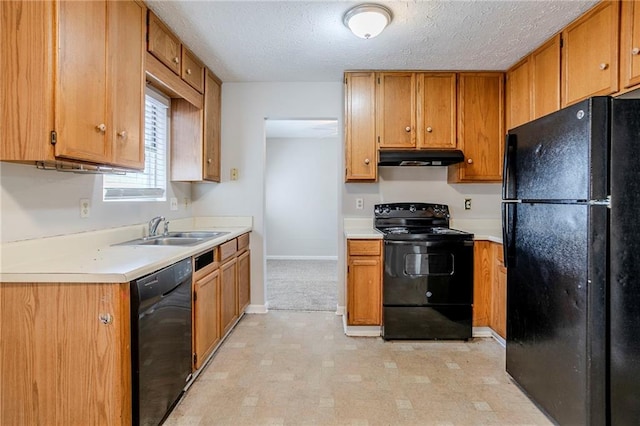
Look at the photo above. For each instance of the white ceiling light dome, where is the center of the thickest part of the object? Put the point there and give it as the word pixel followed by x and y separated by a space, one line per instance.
pixel 367 20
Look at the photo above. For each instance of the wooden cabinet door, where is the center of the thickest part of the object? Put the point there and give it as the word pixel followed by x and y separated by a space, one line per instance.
pixel 60 363
pixel 590 54
pixel 192 70
pixel 518 106
pixel 206 322
pixel 396 109
pixel 126 50
pixel 244 281
pixel 436 110
pixel 212 120
pixel 483 264
pixel 499 294
pixel 228 296
pixel 163 44
pixel 360 139
pixel 364 291
pixel 545 78
pixel 480 127
pixel 27 83
pixel 629 44
pixel 81 94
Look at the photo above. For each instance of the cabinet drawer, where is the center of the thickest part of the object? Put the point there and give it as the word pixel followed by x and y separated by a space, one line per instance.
pixel 192 70
pixel 163 44
pixel 228 249
pixel 364 247
pixel 243 241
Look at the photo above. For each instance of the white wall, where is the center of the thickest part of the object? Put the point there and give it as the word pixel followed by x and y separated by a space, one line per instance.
pixel 301 198
pixel 423 184
pixel 244 109
pixel 36 203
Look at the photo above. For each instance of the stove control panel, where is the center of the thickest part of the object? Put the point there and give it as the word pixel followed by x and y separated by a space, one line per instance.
pixel 418 210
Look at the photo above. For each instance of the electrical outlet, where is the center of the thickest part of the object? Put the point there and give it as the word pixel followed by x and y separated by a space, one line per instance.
pixel 85 207
pixel 173 204
pixel 467 203
pixel 234 174
pixel 359 203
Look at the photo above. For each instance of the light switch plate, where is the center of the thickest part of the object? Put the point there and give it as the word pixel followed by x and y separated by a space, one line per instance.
pixel 173 204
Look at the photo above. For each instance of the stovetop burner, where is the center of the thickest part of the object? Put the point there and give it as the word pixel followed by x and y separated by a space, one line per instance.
pixel 415 221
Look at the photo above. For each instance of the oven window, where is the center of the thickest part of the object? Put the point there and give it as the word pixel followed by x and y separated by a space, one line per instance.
pixel 428 264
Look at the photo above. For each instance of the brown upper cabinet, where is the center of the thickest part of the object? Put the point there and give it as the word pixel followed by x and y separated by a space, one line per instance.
pixel 195 135
pixel 518 101
pixel 533 85
pixel 544 71
pixel 396 109
pixel 360 127
pixel 480 127
pixel 168 49
pixel 436 114
pixel 84 102
pixel 629 44
pixel 590 54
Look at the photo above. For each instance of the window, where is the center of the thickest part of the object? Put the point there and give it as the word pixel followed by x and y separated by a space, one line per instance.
pixel 150 184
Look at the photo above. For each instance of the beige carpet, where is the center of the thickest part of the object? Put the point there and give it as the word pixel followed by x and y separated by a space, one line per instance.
pixel 302 285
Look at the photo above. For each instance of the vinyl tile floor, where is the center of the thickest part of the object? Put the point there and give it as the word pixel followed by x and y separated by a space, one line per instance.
pixel 298 368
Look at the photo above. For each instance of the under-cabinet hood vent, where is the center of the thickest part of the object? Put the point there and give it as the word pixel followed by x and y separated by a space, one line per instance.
pixel 425 157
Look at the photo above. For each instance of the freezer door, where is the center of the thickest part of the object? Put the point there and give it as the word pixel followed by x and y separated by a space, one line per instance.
pixel 556 330
pixel 625 266
pixel 561 156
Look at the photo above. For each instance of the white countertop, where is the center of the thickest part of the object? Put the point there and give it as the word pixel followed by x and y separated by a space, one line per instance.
pixel 91 257
pixel 482 229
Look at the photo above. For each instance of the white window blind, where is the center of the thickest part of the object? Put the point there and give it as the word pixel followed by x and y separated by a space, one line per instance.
pixel 150 184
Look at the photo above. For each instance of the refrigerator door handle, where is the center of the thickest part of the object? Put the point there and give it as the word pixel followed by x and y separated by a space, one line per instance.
pixel 508 228
pixel 508 172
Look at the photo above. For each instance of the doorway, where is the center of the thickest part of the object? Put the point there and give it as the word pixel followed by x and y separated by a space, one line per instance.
pixel 301 214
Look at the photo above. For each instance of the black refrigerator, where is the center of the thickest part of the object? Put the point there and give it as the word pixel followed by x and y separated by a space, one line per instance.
pixel 571 234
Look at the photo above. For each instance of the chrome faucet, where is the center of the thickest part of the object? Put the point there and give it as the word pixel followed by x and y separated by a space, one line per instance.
pixel 153 225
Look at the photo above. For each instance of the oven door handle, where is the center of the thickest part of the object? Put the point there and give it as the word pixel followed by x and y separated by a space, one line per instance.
pixel 422 243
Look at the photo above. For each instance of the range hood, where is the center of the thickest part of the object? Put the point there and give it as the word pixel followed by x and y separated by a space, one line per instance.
pixel 424 157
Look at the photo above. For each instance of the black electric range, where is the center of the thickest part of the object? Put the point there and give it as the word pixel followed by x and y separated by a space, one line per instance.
pixel 428 273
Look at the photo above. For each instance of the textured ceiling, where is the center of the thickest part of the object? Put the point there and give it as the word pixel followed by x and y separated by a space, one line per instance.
pixel 307 41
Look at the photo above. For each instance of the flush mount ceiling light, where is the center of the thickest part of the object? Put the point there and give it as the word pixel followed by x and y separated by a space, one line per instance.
pixel 367 20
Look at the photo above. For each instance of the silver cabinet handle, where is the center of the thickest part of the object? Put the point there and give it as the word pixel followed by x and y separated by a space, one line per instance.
pixel 105 318
pixel 366 161
pixel 635 50
pixel 209 160
pixel 407 129
pixel 604 66
pixel 470 161
pixel 189 71
pixel 101 127
pixel 176 60
pixel 429 129
pixel 122 134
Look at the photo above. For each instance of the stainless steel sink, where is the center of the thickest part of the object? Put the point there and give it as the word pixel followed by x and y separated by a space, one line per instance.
pixel 169 241
pixel 187 238
pixel 196 234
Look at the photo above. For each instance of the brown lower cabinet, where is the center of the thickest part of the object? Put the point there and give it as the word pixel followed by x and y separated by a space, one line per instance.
pixel 364 282
pixel 206 322
pixel 65 354
pixel 228 295
pixel 490 287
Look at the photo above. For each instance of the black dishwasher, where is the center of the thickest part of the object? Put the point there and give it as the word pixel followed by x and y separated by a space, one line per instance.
pixel 160 341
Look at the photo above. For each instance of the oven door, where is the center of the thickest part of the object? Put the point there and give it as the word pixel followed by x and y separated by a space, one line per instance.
pixel 423 273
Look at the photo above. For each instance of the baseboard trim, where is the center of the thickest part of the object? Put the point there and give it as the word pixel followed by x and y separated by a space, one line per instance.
pixel 340 310
pixel 481 332
pixel 360 330
pixel 489 332
pixel 302 257
pixel 257 309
